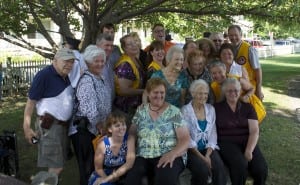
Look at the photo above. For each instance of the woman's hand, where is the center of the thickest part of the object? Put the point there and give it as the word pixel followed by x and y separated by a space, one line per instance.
pixel 101 180
pixel 207 160
pixel 167 158
pixel 245 98
pixel 248 155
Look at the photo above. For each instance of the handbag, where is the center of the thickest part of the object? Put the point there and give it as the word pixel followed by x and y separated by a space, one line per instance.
pixel 258 107
pixel 82 123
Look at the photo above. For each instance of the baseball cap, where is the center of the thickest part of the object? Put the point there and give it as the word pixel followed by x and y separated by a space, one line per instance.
pixel 65 54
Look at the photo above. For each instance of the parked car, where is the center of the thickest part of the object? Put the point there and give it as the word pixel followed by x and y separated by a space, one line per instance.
pixel 282 42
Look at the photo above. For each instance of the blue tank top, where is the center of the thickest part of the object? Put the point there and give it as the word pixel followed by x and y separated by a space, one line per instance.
pixel 112 161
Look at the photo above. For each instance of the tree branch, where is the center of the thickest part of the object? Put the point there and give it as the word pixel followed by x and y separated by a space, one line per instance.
pixel 41 27
pixel 110 4
pixel 43 51
pixel 79 10
pixel 61 20
pixel 141 11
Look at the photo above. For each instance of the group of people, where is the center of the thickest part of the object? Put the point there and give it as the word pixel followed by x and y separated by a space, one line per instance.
pixel 159 110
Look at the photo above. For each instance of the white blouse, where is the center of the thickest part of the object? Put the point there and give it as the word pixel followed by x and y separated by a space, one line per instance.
pixel 236 69
pixel 210 133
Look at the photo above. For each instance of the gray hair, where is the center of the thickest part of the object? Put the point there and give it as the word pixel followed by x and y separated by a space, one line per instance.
pixel 171 51
pixel 216 34
pixel 92 52
pixel 104 36
pixel 217 64
pixel 230 81
pixel 200 83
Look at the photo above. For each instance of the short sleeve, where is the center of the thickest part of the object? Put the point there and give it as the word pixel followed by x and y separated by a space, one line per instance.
pixel 251 112
pixel 177 118
pixel 38 86
pixel 253 57
pixel 124 70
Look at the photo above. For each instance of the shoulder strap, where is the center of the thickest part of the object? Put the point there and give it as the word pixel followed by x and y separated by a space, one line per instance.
pixel 106 141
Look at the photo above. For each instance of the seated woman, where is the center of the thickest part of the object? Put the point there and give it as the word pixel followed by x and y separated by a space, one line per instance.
pixel 218 73
pixel 176 81
pixel 232 68
pixel 129 77
pixel 162 138
pixel 197 70
pixel 238 132
pixel 203 158
pixel 115 154
pixel 93 107
pixel 156 57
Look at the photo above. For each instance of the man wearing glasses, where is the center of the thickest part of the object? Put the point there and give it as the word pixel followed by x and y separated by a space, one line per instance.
pixel 158 33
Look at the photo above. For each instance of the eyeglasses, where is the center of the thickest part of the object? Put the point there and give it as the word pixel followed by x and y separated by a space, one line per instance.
pixel 217 40
pixel 235 91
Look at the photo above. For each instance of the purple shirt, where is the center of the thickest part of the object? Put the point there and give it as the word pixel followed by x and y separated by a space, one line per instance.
pixel 233 126
pixel 128 103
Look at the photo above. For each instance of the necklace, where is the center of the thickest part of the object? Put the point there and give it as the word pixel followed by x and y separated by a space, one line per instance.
pixel 157 110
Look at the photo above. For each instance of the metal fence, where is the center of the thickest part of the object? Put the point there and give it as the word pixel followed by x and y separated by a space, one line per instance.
pixel 17 76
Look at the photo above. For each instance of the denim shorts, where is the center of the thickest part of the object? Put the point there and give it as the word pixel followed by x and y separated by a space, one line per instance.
pixel 52 146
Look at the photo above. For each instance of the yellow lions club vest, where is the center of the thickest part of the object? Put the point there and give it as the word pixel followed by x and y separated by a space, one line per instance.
pixel 136 83
pixel 242 58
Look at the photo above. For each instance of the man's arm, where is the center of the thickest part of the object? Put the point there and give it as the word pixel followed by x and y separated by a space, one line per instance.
pixel 254 62
pixel 258 77
pixel 29 133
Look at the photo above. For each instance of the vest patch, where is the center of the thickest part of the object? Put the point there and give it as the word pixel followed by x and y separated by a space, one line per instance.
pixel 241 60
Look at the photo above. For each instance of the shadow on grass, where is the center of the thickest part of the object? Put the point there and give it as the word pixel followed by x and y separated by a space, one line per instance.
pixel 11 118
pixel 279 141
pixel 278 71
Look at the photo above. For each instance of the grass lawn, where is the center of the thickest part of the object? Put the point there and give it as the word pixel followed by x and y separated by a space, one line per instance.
pixel 279 133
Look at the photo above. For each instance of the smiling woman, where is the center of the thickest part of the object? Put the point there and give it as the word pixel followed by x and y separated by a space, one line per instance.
pixel 162 138
pixel 92 106
pixel 175 79
pixel 129 77
pixel 238 133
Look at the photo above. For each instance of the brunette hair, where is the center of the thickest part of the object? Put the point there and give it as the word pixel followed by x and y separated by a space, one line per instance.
pixel 155 82
pixel 107 26
pixel 226 46
pixel 195 54
pixel 113 118
pixel 122 41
